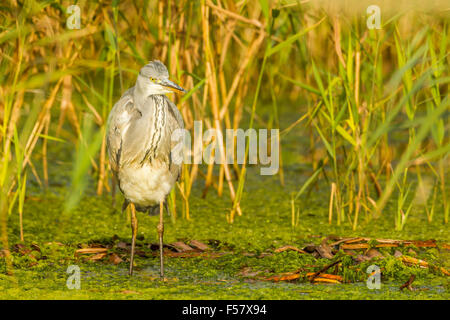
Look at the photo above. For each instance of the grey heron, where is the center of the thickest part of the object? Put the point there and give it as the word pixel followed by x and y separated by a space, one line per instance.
pixel 139 146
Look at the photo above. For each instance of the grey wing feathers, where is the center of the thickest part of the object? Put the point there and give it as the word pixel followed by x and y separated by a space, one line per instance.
pixel 117 123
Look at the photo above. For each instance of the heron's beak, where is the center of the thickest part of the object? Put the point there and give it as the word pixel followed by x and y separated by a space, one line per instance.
pixel 172 85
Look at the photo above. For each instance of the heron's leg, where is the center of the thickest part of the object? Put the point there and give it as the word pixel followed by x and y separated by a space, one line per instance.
pixel 161 233
pixel 113 191
pixel 134 226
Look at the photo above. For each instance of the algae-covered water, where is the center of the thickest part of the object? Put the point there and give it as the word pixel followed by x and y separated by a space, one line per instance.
pixel 246 247
pixel 265 225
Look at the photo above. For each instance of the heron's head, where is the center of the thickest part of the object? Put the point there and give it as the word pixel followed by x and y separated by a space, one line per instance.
pixel 154 78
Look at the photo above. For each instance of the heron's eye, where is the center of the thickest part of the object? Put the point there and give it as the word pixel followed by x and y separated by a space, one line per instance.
pixel 152 79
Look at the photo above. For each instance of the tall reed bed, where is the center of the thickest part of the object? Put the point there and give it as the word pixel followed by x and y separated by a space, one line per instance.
pixel 357 88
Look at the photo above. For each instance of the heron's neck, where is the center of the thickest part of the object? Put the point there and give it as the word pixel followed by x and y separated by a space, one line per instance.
pixel 159 126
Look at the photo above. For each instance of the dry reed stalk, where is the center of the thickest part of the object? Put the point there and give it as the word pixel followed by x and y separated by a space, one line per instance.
pixel 44 152
pixel 210 74
pixel 38 127
pixel 102 164
pixel 337 41
pixel 238 76
pixel 233 15
pixel 330 207
pixel 185 202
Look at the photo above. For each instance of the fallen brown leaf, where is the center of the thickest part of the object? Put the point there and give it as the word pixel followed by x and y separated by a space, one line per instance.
pixel 410 261
pixel 91 250
pixel 413 261
pixel 350 252
pixel 325 268
pixel 408 283
pixel 181 246
pixel 361 258
pixel 289 276
pixel 21 248
pixel 326 276
pixel 114 258
pixel 397 254
pixel 319 279
pixel 445 271
pixel 199 245
pixel 422 244
pixel 362 243
pixel 34 246
pixel 374 253
pixel 191 254
pixel 24 250
pixel 338 242
pixel 98 256
pixel 248 254
pixel 353 240
pixel 285 248
pixel 324 250
pixel 355 246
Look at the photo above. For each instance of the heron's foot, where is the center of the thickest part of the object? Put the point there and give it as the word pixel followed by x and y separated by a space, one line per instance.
pixel 134 229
